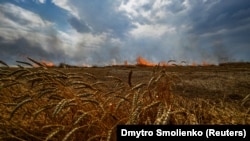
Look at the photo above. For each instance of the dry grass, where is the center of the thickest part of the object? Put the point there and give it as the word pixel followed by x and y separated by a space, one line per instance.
pixel 52 104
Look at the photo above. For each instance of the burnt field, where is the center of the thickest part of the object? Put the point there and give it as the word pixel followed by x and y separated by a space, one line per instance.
pixel 52 103
pixel 230 83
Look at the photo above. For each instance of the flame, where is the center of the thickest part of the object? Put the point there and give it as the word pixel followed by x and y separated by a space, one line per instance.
pixel 171 63
pixel 47 63
pixel 194 64
pixel 204 63
pixel 144 62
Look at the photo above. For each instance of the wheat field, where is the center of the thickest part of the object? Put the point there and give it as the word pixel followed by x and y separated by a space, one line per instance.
pixel 52 103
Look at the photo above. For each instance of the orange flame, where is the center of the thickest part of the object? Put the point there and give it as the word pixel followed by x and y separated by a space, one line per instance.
pixel 204 63
pixel 47 63
pixel 194 64
pixel 144 62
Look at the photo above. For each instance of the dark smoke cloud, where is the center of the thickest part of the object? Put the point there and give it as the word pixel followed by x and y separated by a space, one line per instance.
pixel 78 25
pixel 220 29
pixel 221 15
pixel 20 49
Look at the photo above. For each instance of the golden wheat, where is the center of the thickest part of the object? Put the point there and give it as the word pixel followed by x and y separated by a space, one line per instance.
pixel 71 132
pixel 53 104
pixel 18 106
pixel 53 133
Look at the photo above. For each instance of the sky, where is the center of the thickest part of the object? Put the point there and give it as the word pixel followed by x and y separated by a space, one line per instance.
pixel 104 32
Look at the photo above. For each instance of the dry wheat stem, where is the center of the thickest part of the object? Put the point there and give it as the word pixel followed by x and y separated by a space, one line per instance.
pixel 99 137
pixel 53 133
pixel 129 78
pixel 26 63
pixel 36 62
pixel 3 63
pixel 71 132
pixel 18 106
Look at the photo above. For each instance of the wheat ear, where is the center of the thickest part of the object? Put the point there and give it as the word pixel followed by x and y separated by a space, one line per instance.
pixel 36 62
pixel 18 106
pixel 26 63
pixel 2 62
pixel 53 133
pixel 72 131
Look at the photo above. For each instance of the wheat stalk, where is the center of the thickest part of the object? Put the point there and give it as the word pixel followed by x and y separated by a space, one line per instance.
pixel 15 137
pixel 52 126
pixel 26 63
pixel 86 85
pixel 36 62
pixel 23 74
pixel 59 106
pixel 129 78
pixel 84 95
pixel 94 102
pixel 11 84
pixel 134 117
pixel 156 103
pixel 34 80
pixel 29 134
pixel 91 75
pixel 150 82
pixel 17 71
pixel 109 134
pixel 20 66
pixel 35 114
pixel 138 86
pixel 18 106
pixel 98 83
pixel 53 133
pixel 7 79
pixel 244 100
pixel 80 118
pixel 71 132
pixel 148 121
pixel 135 100
pixel 122 100
pixel 165 117
pixel 55 97
pixel 45 91
pixel 9 104
pixel 3 63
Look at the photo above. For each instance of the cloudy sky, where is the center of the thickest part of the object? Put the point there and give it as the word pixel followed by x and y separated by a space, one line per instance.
pixel 104 32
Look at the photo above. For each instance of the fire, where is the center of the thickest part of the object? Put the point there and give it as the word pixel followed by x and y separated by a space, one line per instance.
pixel 47 63
pixel 194 64
pixel 204 63
pixel 144 62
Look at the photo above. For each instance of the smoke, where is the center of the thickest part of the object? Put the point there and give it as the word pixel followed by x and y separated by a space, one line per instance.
pixel 20 48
